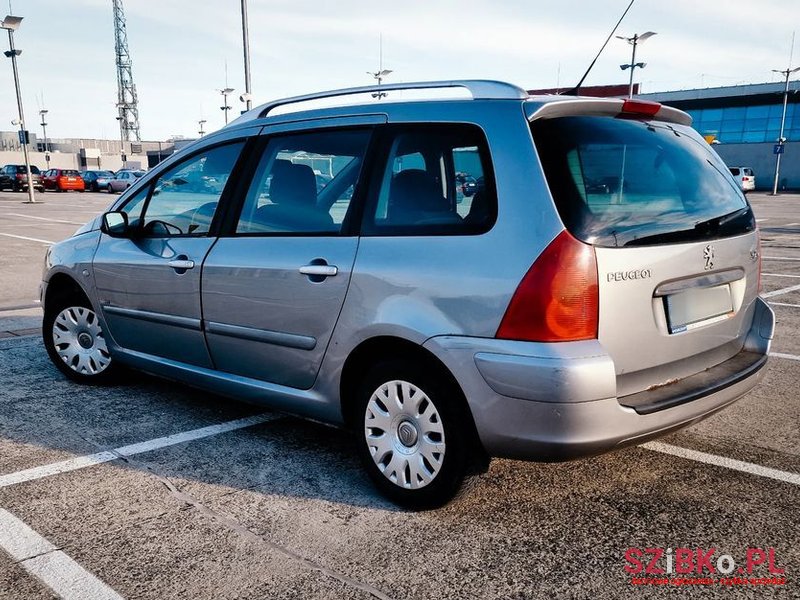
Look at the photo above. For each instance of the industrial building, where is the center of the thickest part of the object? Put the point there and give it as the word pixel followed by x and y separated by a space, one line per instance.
pixel 743 123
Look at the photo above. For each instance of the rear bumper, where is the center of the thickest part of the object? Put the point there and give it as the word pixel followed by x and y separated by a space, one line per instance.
pixel 555 402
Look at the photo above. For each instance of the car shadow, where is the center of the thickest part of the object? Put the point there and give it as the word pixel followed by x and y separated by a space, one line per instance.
pixel 285 455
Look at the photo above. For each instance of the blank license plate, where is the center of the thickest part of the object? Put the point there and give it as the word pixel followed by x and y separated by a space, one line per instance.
pixel 697 307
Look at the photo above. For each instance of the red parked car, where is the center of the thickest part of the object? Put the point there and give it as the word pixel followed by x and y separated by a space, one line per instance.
pixel 61 180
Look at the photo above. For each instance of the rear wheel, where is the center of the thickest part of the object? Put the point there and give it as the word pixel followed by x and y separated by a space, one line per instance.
pixel 75 340
pixel 411 431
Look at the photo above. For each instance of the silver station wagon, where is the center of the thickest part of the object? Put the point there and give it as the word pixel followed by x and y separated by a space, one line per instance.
pixel 597 285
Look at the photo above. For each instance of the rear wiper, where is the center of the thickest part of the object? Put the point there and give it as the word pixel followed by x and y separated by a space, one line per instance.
pixel 700 231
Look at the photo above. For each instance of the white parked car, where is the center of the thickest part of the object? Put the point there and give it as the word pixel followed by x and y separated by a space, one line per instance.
pixel 745 177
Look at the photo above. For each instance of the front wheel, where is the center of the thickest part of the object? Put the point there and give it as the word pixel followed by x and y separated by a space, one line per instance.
pixel 411 434
pixel 76 342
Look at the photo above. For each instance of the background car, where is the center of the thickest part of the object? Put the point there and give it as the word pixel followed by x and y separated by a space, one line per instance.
pixel 123 180
pixel 96 181
pixel 61 180
pixel 467 184
pixel 745 177
pixel 15 177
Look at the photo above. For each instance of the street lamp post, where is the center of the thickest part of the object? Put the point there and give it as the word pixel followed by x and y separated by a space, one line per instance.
pixel 225 108
pixel 781 140
pixel 381 72
pixel 633 41
pixel 42 113
pixel 11 24
pixel 201 122
pixel 246 46
pixel 120 118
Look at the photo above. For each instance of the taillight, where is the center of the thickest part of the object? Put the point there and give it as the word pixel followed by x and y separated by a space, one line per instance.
pixel 640 108
pixel 20 176
pixel 557 300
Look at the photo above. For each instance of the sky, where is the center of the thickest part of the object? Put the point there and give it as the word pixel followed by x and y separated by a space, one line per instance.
pixel 180 48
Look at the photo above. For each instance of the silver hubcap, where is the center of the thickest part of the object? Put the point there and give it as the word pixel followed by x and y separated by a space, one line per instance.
pixel 404 434
pixel 79 341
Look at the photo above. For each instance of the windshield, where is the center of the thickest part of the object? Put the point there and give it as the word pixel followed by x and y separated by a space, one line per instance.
pixel 619 182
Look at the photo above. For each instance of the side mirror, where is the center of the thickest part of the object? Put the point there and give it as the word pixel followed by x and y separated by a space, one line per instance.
pixel 115 224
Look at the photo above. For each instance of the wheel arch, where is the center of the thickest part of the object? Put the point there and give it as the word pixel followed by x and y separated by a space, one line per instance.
pixel 62 284
pixel 376 349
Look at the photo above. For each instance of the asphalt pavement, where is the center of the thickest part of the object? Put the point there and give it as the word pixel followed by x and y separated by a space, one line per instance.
pixel 150 489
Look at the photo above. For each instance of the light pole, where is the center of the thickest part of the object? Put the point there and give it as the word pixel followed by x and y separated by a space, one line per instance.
pixel 11 24
pixel 381 72
pixel 42 113
pixel 201 122
pixel 225 108
pixel 782 140
pixel 120 118
pixel 633 41
pixel 246 46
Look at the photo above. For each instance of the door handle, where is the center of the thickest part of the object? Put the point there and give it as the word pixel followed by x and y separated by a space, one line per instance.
pixel 181 264
pixel 319 270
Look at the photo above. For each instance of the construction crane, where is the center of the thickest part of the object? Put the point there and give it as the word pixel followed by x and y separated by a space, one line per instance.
pixel 127 103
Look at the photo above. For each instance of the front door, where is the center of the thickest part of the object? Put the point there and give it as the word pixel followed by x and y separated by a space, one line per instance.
pixel 273 289
pixel 148 283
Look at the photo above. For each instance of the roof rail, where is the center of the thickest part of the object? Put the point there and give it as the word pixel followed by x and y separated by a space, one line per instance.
pixel 479 88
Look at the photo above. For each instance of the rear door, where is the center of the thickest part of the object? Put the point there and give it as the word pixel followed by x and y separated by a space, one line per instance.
pixel 274 286
pixel 675 240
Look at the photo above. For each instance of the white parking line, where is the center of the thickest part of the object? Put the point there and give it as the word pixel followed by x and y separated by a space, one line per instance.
pixel 50 565
pixel 42 219
pixel 783 355
pixel 722 461
pixel 761 220
pixel 784 304
pixel 30 239
pixel 81 462
pixel 781 291
pixel 779 258
pixel 781 275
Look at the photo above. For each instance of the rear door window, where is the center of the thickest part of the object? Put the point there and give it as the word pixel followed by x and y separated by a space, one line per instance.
pixel 623 182
pixel 436 180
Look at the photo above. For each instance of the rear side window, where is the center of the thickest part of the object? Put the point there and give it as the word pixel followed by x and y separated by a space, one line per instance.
pixel 735 171
pixel 436 180
pixel 622 182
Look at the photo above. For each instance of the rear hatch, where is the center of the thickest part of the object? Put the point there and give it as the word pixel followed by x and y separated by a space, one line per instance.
pixel 22 174
pixel 675 239
pixel 70 177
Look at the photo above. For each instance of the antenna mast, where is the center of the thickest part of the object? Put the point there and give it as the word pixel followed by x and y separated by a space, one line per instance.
pixel 127 102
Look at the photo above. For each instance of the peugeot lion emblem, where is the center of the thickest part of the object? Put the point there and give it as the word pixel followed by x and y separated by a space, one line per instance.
pixel 708 255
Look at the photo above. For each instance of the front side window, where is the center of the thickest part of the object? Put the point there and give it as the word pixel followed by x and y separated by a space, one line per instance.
pixel 304 183
pixel 437 180
pixel 184 199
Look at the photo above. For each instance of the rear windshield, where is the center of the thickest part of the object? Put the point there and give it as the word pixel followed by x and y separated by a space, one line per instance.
pixel 34 170
pixel 734 171
pixel 619 182
pixel 69 173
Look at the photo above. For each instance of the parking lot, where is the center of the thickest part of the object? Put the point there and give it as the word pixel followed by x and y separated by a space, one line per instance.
pixel 150 489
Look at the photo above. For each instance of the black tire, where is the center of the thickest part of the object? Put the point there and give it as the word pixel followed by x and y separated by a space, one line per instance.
pixel 91 363
pixel 449 411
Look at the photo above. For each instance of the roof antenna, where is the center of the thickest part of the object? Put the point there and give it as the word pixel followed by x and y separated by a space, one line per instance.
pixel 574 91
